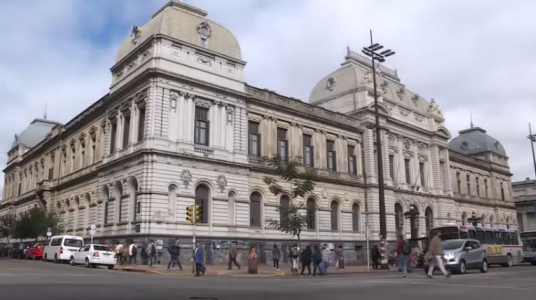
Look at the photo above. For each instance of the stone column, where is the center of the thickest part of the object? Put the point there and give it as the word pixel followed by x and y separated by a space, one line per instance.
pixel 436 185
pixel 359 159
pixel 448 187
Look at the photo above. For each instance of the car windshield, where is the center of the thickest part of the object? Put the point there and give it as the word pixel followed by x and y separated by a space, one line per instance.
pixel 529 245
pixel 451 244
pixel 73 243
pixel 101 248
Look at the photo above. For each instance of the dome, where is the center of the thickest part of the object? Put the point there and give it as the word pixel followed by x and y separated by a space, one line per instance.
pixel 475 141
pixel 187 24
pixel 35 133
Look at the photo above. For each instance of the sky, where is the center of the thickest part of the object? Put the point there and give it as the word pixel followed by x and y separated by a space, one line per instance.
pixel 470 56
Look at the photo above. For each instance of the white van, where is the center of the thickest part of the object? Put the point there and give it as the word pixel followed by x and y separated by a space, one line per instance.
pixel 61 247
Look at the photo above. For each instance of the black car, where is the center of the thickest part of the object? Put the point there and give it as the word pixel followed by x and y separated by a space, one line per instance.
pixel 17 250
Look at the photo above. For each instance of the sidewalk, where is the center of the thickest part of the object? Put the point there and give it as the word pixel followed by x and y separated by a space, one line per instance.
pixel 221 270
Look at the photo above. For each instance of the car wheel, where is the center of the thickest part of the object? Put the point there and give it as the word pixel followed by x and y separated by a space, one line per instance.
pixel 55 258
pixel 71 261
pixel 462 269
pixel 110 267
pixel 509 261
pixel 45 257
pixel 87 264
pixel 484 267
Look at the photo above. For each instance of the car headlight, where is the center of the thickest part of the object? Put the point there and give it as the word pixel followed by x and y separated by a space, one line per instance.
pixel 449 255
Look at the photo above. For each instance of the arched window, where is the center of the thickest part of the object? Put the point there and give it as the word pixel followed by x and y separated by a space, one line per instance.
pixel 231 208
pixel 118 191
pixel 133 200
pixel 255 210
pixel 202 197
pixel 399 219
pixel 284 204
pixel 334 215
pixel 105 195
pixel 311 214
pixel 429 217
pixel 464 218
pixel 355 217
pixel 172 199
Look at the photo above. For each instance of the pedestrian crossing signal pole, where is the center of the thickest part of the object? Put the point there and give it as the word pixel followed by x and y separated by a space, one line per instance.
pixel 191 216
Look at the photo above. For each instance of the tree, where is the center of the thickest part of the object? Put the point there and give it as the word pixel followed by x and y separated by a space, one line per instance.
pixel 34 222
pixel 300 183
pixel 8 223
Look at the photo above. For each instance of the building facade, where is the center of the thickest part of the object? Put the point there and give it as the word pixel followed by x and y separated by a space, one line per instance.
pixel 180 126
pixel 525 202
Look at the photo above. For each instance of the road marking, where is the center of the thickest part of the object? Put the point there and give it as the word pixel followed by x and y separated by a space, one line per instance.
pixel 449 284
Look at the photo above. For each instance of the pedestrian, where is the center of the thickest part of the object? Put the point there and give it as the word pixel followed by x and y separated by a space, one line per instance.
pixel 174 253
pixel 199 267
pixel 317 260
pixel 339 258
pixel 436 255
pixel 276 255
pixel 253 262
pixel 326 259
pixel 306 257
pixel 119 253
pixel 132 253
pixel 294 255
pixel 124 254
pixel 375 257
pixel 402 253
pixel 151 253
pixel 232 258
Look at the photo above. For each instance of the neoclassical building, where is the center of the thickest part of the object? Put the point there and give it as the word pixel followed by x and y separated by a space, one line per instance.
pixel 181 126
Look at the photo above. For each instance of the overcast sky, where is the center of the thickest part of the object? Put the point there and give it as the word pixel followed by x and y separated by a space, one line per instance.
pixel 474 56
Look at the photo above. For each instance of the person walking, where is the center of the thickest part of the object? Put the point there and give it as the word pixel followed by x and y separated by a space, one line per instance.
pixel 253 262
pixel 132 254
pixel 326 259
pixel 436 256
pixel 124 255
pixel 151 253
pixel 199 267
pixel 294 255
pixel 317 260
pixel 375 257
pixel 306 257
pixel 402 253
pixel 276 254
pixel 119 253
pixel 232 258
pixel 174 254
pixel 339 258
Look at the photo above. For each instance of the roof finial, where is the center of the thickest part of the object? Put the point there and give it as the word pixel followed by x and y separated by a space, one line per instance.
pixel 471 116
pixel 45 116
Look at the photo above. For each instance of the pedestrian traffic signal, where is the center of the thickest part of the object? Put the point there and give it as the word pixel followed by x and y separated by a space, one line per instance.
pixel 190 214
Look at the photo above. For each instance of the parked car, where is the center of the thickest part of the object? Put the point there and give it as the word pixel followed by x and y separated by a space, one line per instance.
pixel 16 250
pixel 35 252
pixel 461 255
pixel 61 247
pixel 92 255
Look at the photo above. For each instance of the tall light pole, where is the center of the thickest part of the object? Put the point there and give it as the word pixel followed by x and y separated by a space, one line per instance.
pixel 372 52
pixel 532 138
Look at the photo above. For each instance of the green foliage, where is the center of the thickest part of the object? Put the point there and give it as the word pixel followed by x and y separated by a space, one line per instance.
pixel 34 222
pixel 8 223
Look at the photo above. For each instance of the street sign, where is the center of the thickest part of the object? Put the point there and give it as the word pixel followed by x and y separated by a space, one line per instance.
pixel 49 233
pixel 92 231
pixel 93 227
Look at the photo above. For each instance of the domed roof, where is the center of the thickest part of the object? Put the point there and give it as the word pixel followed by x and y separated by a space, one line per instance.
pixel 474 141
pixel 35 133
pixel 187 24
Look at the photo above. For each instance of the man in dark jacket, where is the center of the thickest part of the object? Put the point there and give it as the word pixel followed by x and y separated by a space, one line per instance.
pixel 375 257
pixel 174 252
pixel 305 258
pixel 317 259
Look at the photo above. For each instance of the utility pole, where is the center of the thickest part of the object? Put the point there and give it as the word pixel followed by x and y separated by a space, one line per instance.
pixel 380 57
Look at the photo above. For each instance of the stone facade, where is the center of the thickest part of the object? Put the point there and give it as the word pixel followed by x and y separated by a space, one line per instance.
pixel 525 202
pixel 180 126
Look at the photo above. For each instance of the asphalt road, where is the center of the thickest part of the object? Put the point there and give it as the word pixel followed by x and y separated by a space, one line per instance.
pixel 21 279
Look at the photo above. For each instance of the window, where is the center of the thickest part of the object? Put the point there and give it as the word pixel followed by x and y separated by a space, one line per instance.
pixel 407 168
pixel 443 174
pixel 113 137
pixel 399 219
pixel 73 159
pixel 392 166
pixel 477 186
pixel 284 205
pixel 282 143
pixel 480 236
pixel 352 166
pixel 141 123
pixel 486 187
pixel 332 163
pixel 308 151
pixel 468 178
pixel 231 208
pixel 506 238
pixel 254 139
pixel 422 175
pixel 311 214
pixel 118 191
pixel 498 238
pixel 105 195
pixel 73 243
pixel 489 237
pixel 134 201
pixel 459 182
pixel 255 210
pixel 502 191
pixel 334 215
pixel 93 152
pixel 513 238
pixel 126 129
pixel 201 126
pixel 19 191
pixel 429 216
pixel 355 217
pixel 83 157
pixel 202 199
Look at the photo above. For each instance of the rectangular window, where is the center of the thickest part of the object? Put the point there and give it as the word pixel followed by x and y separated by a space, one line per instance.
pixel 468 178
pixel 332 155
pixel 502 191
pixel 113 137
pixel 392 166
pixel 489 237
pixel 422 175
pixel 83 158
pixel 459 182
pixel 201 126
pixel 51 173
pixel 141 123
pixel 20 189
pixel 254 139
pixel 352 166
pixel 282 144
pixel 443 174
pixel 106 208
pixel 407 168
pixel 93 153
pixel 477 186
pixel 308 151
pixel 486 188
pixel 126 129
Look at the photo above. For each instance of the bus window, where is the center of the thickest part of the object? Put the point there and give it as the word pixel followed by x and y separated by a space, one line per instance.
pixel 489 237
pixel 472 234
pixel 513 238
pixel 480 236
pixel 498 238
pixel 464 235
pixel 506 238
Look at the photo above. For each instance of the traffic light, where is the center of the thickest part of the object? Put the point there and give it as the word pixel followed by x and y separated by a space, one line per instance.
pixel 198 213
pixel 189 214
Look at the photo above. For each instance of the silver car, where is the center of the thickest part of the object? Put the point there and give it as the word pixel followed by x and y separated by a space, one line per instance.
pixel 461 255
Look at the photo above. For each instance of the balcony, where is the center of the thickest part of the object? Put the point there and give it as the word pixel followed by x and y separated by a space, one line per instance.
pixel 206 151
pixel 255 160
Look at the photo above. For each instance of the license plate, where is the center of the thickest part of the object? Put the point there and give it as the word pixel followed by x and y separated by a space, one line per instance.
pixel 106 254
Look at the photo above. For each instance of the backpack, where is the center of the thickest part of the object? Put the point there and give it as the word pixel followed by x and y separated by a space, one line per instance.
pixel 153 249
pixel 134 250
pixel 407 249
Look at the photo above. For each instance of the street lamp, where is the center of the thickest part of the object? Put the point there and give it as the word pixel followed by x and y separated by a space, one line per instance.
pixel 412 215
pixel 532 138
pixel 372 52
pixel 474 219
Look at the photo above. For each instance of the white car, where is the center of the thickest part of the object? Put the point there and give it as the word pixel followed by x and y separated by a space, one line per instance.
pixel 61 247
pixel 93 255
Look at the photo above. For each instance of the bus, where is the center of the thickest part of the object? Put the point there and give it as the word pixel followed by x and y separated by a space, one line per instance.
pixel 503 246
pixel 529 247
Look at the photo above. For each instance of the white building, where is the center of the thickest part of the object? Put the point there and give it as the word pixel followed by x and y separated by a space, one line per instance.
pixel 180 126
